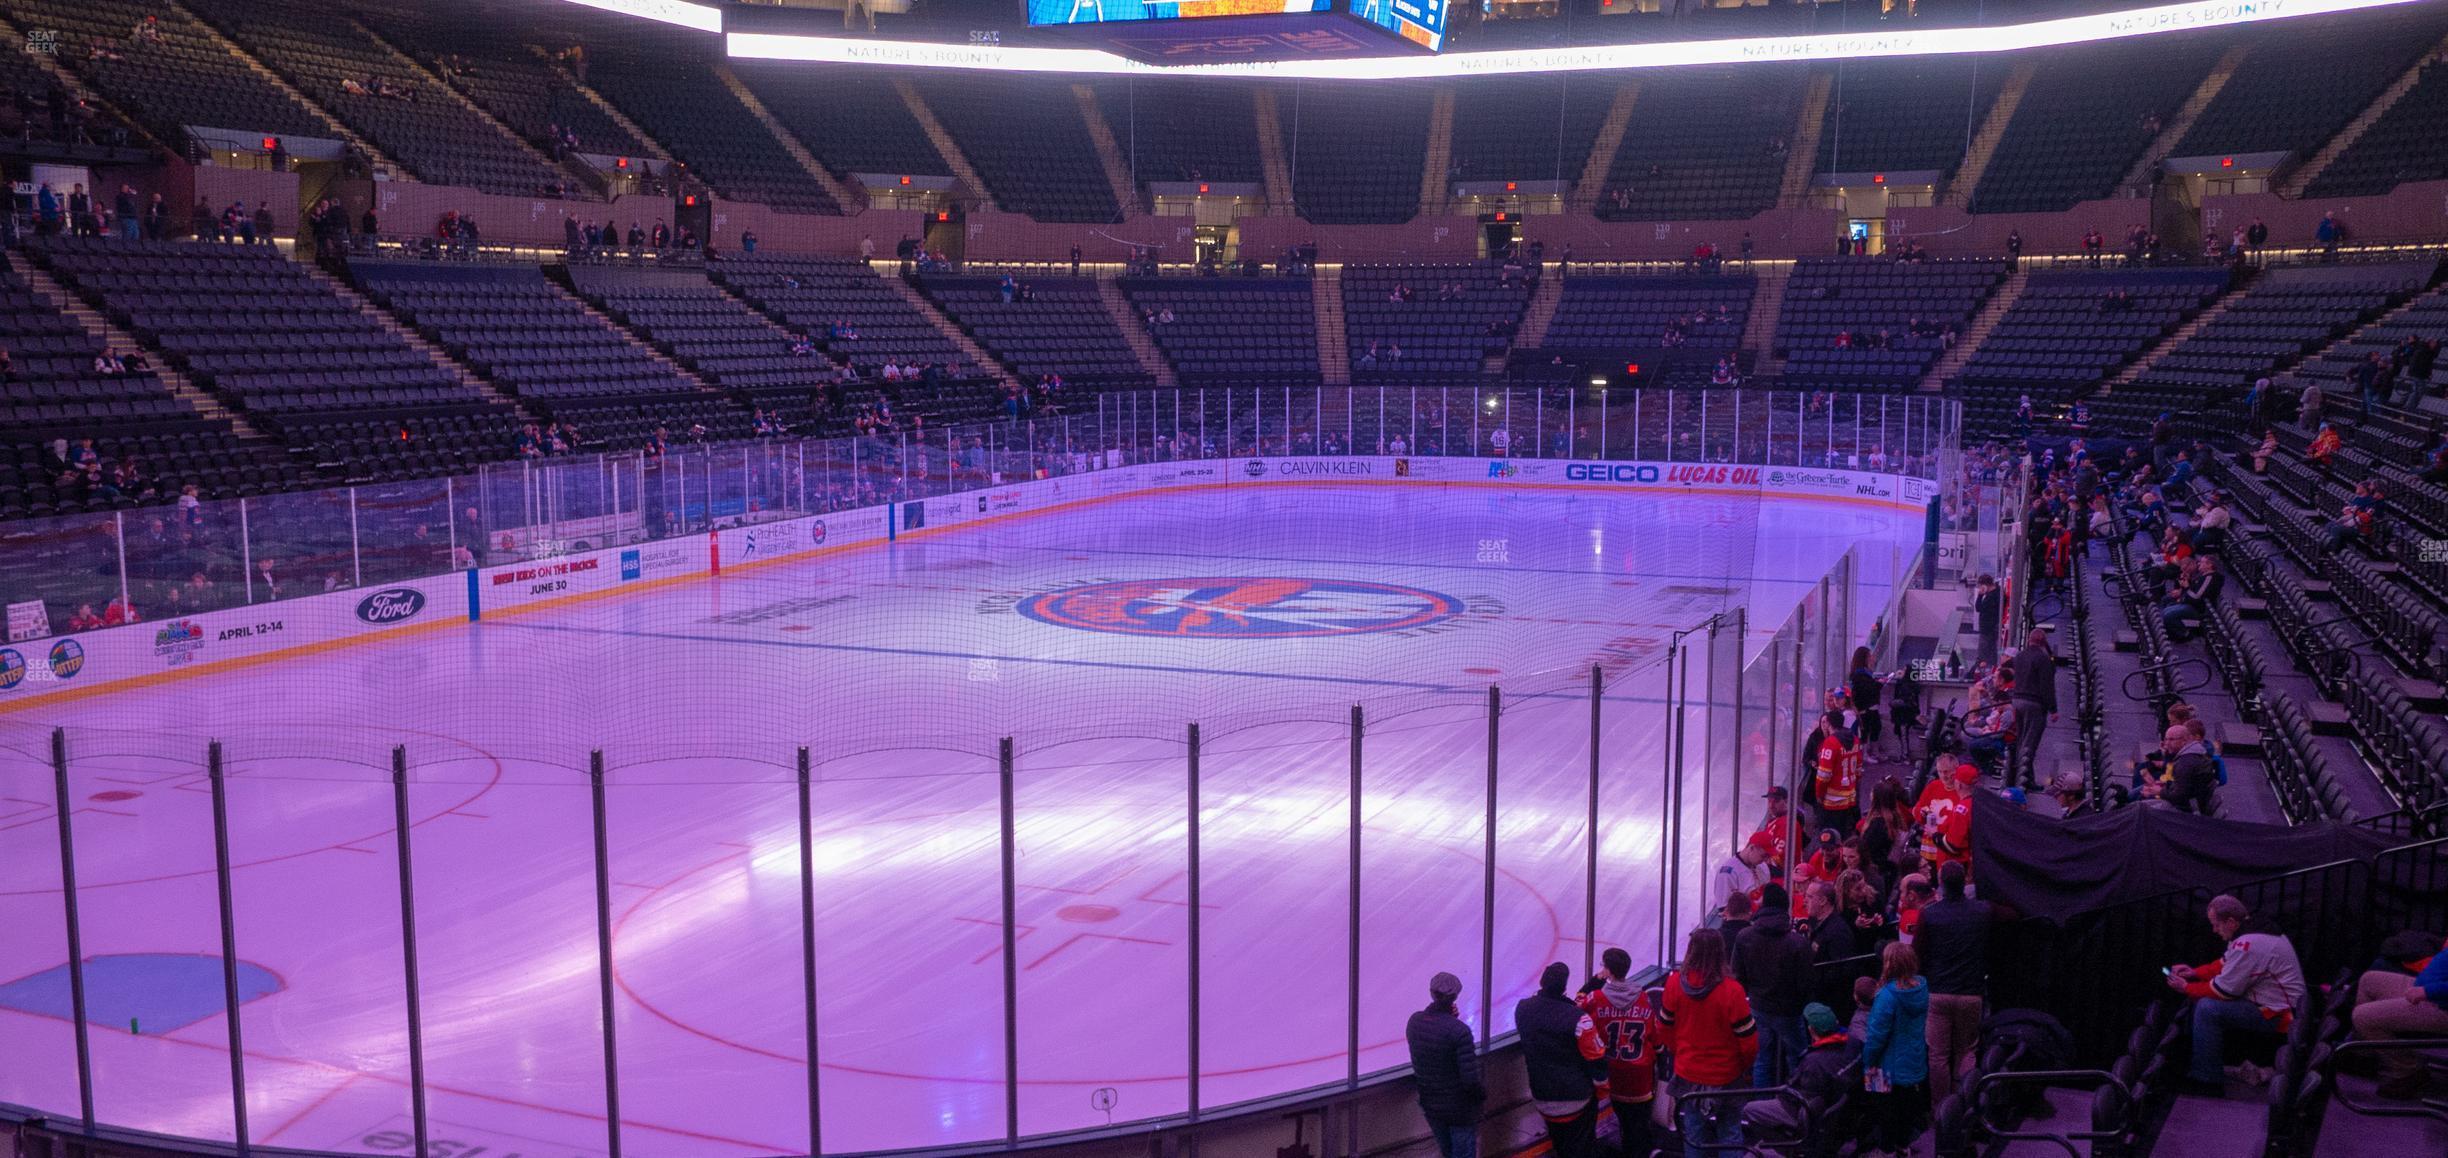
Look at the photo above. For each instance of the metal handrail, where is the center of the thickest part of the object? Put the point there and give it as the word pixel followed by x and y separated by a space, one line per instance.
pixel 2420 1108
pixel 2052 1077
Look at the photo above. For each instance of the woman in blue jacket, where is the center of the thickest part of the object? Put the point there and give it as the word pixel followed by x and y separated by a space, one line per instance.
pixel 1895 1054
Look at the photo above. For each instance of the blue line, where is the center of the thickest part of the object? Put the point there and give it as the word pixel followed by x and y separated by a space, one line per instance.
pixel 1481 568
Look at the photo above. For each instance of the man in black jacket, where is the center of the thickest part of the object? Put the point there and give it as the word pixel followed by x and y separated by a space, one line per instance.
pixel 1445 1069
pixel 1773 962
pixel 1954 945
pixel 2035 703
pixel 1831 936
pixel 1561 1051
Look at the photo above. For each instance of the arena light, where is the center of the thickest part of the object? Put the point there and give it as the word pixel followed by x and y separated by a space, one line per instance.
pixel 2132 22
pixel 702 17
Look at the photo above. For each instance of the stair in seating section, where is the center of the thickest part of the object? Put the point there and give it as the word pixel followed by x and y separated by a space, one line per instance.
pixel 1437 163
pixel 1992 130
pixel 1334 346
pixel 945 146
pixel 358 301
pixel 1273 166
pixel 960 339
pixel 1802 149
pixel 1601 161
pixel 1538 314
pixel 2147 165
pixel 427 79
pixel 75 85
pixel 2177 338
pixel 2303 176
pixel 1109 151
pixel 607 108
pixel 98 325
pixel 842 195
pixel 1767 307
pixel 1134 331
pixel 381 162
pixel 1953 361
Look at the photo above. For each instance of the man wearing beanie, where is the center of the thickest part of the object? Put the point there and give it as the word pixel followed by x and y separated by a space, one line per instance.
pixel 1819 1080
pixel 1626 1028
pixel 1560 1049
pixel 1445 1069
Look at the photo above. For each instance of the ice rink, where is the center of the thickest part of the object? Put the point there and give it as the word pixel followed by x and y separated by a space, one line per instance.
pixel 1091 637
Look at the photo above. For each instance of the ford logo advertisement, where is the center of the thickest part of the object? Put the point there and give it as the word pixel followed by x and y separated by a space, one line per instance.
pixel 391 605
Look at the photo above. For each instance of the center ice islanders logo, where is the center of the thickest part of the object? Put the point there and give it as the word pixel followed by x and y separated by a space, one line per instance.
pixel 1241 607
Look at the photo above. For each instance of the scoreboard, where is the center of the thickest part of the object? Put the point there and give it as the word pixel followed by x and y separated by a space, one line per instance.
pixel 1220 31
pixel 1056 12
pixel 1422 22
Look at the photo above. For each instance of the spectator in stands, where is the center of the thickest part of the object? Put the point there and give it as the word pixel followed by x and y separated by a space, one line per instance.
pixel 2014 248
pixel 1706 1023
pixel 2192 597
pixel 2356 519
pixel 1821 1080
pixel 1733 919
pixel 1836 770
pixel 237 223
pixel 1562 1053
pixel 1627 1035
pixel 2328 233
pixel 1987 602
pixel 2406 998
pixel 2035 703
pixel 264 227
pixel 2252 988
pixel 126 216
pixel 2256 235
pixel 1953 942
pixel 1831 935
pixel 1945 814
pixel 1445 1070
pixel 1896 1052
pixel 1772 959
pixel 748 241
pixel 2072 792
pixel 1745 871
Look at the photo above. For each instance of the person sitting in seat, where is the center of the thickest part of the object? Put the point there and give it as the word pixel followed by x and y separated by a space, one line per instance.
pixel 1821 1081
pixel 2406 996
pixel 2192 596
pixel 2356 520
pixel 2252 988
pixel 2325 446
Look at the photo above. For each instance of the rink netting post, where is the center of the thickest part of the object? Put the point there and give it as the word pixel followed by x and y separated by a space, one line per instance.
pixel 76 927
pixel 1011 952
pixel 603 954
pixel 1190 816
pixel 419 1125
pixel 1487 881
pixel 1589 890
pixel 1351 1075
pixel 807 953
pixel 213 773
